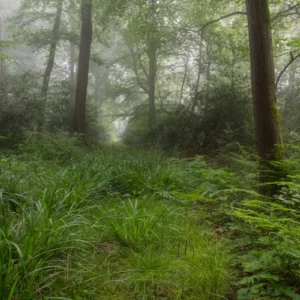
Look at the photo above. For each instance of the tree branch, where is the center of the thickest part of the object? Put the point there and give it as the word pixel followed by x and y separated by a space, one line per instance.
pixel 142 66
pixel 244 13
pixel 223 17
pixel 283 13
pixel 293 58
pixel 135 69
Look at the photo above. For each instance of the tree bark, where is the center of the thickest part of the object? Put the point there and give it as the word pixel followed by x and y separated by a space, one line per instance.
pixel 208 76
pixel 72 85
pixel 51 56
pixel 83 66
pixel 1 58
pixel 195 98
pixel 152 54
pixel 266 113
pixel 184 77
pixel 2 76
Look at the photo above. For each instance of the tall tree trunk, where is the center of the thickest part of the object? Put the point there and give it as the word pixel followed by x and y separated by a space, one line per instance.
pixel 97 90
pixel 208 76
pixel 1 59
pixel 195 99
pixel 2 65
pixel 152 54
pixel 72 85
pixel 184 77
pixel 51 57
pixel 266 113
pixel 83 66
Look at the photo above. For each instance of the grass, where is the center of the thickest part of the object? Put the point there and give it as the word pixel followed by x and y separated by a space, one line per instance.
pixel 104 225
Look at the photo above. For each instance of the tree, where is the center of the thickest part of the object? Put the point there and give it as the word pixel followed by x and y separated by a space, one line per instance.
pixel 52 50
pixel 152 54
pixel 1 54
pixel 51 56
pixel 72 80
pixel 266 113
pixel 83 66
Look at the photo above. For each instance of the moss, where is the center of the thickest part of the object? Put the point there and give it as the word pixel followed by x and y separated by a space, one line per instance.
pixel 264 8
pixel 275 114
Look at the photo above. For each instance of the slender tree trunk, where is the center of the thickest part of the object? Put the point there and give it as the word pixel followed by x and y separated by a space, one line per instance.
pixel 51 58
pixel 97 89
pixel 266 113
pixel 208 76
pixel 72 85
pixel 2 65
pixel 152 54
pixel 184 77
pixel 232 75
pixel 83 66
pixel 3 92
pixel 1 59
pixel 199 73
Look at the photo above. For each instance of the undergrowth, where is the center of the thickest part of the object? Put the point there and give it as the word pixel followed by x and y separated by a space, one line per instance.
pixel 84 223
pixel 81 222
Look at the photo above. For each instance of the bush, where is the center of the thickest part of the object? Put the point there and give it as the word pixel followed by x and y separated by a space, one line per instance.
pixel 56 146
pixel 58 109
pixel 20 110
pixel 268 238
pixel 218 126
pixel 272 263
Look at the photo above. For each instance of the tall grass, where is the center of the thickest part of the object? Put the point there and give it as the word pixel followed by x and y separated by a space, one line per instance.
pixel 102 225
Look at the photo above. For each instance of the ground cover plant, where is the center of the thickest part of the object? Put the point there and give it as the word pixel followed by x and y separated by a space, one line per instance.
pixel 103 224
pixel 83 221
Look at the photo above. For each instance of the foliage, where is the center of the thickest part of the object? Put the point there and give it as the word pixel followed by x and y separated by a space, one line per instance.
pixel 272 261
pixel 100 224
pixel 222 122
pixel 59 146
pixel 19 108
pixel 58 107
pixel 272 266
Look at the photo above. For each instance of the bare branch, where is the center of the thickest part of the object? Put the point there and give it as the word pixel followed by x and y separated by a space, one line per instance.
pixel 244 13
pixel 135 68
pixel 286 12
pixel 142 66
pixel 293 58
pixel 223 17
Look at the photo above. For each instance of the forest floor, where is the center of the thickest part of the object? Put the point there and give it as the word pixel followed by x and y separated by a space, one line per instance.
pixel 118 224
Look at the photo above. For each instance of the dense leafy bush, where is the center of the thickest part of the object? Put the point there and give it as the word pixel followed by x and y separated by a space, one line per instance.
pixel 272 263
pixel 218 126
pixel 59 146
pixel 59 115
pixel 19 108
pixel 227 118
pixel 272 259
pixel 59 107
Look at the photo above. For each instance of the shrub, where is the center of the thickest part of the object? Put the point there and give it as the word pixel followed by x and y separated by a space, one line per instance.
pixel 56 146
pixel 215 127
pixel 19 110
